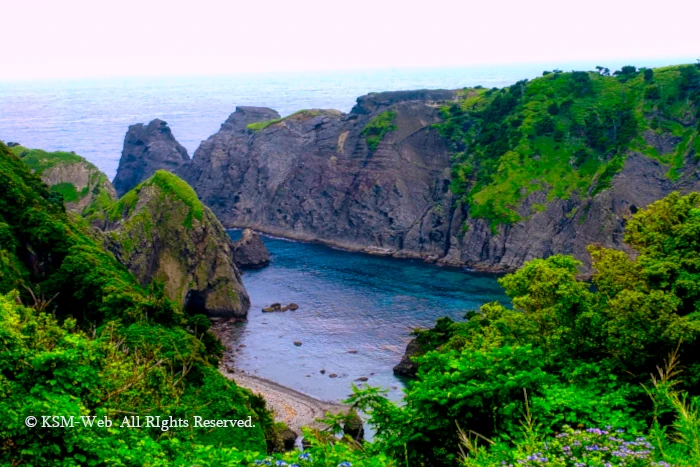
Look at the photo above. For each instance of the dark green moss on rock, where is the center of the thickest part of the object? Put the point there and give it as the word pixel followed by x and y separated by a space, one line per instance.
pixel 162 232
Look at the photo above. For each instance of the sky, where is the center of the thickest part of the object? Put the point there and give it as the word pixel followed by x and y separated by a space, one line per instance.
pixel 49 39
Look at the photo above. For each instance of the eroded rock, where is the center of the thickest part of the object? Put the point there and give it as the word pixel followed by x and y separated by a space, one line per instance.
pixel 147 148
pixel 250 252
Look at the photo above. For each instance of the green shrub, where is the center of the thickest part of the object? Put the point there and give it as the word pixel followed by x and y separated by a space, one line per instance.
pixel 378 126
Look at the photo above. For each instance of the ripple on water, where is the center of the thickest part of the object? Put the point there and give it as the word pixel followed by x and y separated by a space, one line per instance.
pixel 348 302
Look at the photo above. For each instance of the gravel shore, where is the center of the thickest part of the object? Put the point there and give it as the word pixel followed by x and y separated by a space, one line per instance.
pixel 289 406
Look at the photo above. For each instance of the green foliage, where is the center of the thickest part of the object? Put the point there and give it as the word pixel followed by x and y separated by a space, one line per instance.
pixel 378 126
pixel 258 126
pixel 566 134
pixel 39 160
pixel 593 447
pixel 580 350
pixel 95 342
pixel 169 185
pixel 67 190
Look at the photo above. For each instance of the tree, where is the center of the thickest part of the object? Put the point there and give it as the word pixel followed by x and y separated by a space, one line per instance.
pixel 648 74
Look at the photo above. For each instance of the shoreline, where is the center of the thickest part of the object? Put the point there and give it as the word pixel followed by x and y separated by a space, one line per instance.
pixel 290 406
pixel 370 250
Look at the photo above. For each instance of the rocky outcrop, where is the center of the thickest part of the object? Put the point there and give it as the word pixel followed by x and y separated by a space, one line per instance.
pixel 147 148
pixel 407 367
pixel 289 438
pixel 249 252
pixel 85 189
pixel 353 426
pixel 160 231
pixel 313 176
pixel 568 226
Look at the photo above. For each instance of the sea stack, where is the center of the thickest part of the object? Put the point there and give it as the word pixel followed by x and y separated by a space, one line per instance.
pixel 250 252
pixel 147 148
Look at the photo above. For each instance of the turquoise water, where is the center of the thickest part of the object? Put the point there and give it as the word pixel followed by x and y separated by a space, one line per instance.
pixel 347 301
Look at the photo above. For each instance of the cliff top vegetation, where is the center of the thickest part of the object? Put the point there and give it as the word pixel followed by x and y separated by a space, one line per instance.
pixel 568 134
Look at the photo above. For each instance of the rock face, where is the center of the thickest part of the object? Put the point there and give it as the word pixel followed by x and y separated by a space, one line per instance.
pixel 160 231
pixel 250 251
pixel 147 148
pixel 85 189
pixel 407 367
pixel 314 176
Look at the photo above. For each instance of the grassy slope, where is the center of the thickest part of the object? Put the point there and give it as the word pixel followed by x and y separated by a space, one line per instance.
pixel 565 134
pixel 46 251
pixel 40 161
pixel 257 126
pixel 170 185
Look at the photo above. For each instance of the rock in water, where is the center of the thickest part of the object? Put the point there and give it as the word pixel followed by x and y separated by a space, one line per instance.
pixel 160 231
pixel 85 189
pixel 407 367
pixel 147 148
pixel 250 251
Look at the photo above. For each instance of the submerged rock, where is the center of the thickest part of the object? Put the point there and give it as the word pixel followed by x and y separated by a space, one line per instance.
pixel 297 343
pixel 250 252
pixel 147 148
pixel 160 231
pixel 278 307
pixel 272 308
pixel 407 367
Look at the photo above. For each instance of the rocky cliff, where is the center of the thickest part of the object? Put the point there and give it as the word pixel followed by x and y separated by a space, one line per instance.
pixel 160 231
pixel 85 189
pixel 404 174
pixel 147 148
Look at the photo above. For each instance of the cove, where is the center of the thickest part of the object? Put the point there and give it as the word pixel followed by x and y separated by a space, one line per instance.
pixel 347 302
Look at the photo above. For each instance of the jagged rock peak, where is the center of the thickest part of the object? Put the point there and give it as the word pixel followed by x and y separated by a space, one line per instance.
pixel 371 102
pixel 160 231
pixel 147 148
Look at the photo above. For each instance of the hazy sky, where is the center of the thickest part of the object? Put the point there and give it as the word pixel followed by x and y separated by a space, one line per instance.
pixel 89 38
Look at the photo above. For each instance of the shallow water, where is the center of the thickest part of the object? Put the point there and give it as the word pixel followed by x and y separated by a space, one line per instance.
pixel 348 301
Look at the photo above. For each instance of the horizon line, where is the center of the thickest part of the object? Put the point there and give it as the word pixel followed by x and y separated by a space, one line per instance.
pixel 668 61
